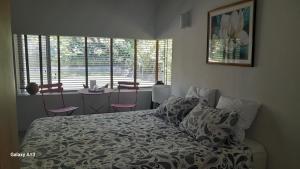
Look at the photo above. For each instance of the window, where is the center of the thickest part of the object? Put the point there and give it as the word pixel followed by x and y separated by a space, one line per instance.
pixel 123 60
pixel 33 58
pixel 165 60
pixel 74 61
pixel 19 58
pixel 146 62
pixel 43 59
pixel 99 60
pixel 54 59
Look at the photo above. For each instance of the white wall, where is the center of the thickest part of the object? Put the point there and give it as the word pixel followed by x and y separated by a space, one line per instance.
pixel 104 18
pixel 8 127
pixel 274 81
pixel 31 107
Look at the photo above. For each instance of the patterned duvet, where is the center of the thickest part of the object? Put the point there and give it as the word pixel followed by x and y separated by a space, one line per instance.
pixel 127 140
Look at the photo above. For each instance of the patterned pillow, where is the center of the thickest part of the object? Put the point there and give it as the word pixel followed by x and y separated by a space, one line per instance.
pixel 210 126
pixel 162 109
pixel 201 104
pixel 176 108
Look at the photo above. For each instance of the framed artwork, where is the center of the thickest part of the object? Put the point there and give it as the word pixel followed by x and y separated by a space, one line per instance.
pixel 230 38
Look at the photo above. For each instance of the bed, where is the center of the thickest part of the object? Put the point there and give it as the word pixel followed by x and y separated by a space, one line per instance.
pixel 125 140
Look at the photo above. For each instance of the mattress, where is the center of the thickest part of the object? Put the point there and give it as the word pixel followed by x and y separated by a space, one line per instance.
pixel 259 154
pixel 125 140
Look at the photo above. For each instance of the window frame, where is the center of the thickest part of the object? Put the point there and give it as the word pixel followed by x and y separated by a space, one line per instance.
pixel 24 68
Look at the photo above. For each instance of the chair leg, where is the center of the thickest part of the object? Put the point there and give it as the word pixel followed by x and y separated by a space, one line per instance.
pixel 70 113
pixel 47 114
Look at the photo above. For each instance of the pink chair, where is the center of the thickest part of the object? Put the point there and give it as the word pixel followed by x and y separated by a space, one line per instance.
pixel 56 88
pixel 129 86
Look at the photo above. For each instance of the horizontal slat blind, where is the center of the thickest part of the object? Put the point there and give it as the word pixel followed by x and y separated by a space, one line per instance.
pixel 123 60
pixel 26 78
pixel 72 62
pixel 20 67
pixel 44 60
pixel 169 55
pixel 146 62
pixel 33 58
pixel 99 60
pixel 54 59
pixel 165 61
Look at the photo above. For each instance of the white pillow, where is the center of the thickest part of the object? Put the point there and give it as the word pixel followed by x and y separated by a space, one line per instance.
pixel 248 109
pixel 208 94
pixel 192 92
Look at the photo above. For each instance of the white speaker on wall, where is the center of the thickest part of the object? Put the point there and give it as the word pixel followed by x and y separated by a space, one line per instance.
pixel 186 19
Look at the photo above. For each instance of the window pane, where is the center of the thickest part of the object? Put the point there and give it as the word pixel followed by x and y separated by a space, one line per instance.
pixel 169 55
pixel 146 62
pixel 123 60
pixel 44 59
pixel 19 54
pixel 165 61
pixel 54 59
pixel 26 79
pixel 72 62
pixel 33 58
pixel 99 60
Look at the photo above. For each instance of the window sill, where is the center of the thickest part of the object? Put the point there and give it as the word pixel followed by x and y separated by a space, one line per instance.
pixel 72 92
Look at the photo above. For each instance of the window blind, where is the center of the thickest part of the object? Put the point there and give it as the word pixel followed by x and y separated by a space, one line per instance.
pixel 99 60
pixel 72 61
pixel 20 68
pixel 34 58
pixel 146 62
pixel 123 60
pixel 168 61
pixel 165 61
pixel 44 58
pixel 53 52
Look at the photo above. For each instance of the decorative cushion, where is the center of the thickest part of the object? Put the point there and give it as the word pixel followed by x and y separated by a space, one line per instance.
pixel 210 126
pixel 162 109
pixel 176 108
pixel 199 107
pixel 246 109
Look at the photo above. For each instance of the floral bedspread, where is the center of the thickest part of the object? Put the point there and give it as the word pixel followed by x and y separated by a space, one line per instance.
pixel 126 140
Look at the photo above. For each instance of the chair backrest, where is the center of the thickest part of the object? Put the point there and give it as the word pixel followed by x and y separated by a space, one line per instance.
pixel 52 88
pixel 124 85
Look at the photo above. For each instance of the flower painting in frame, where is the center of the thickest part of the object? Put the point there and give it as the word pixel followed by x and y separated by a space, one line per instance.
pixel 231 34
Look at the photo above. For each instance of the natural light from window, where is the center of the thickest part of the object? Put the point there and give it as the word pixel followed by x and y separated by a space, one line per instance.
pixel 74 60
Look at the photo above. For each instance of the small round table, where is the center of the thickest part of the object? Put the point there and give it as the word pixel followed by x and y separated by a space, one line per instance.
pixel 85 92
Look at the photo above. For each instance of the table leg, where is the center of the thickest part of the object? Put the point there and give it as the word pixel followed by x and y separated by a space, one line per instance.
pixel 108 103
pixel 83 104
